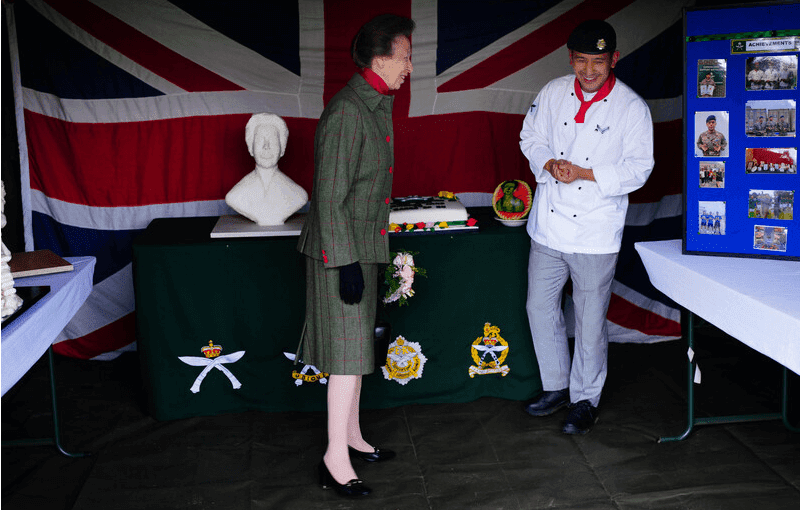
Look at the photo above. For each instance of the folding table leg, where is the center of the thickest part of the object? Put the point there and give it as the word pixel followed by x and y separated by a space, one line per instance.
pixel 785 402
pixel 56 439
pixel 714 420
pixel 689 387
pixel 56 423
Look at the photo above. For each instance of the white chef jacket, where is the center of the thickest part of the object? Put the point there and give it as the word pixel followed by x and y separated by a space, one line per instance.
pixel 615 141
pixel 755 75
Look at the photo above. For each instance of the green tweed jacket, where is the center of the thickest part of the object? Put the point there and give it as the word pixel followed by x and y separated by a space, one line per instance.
pixel 353 159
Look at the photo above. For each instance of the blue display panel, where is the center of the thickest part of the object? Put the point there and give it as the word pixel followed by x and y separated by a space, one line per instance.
pixel 740 131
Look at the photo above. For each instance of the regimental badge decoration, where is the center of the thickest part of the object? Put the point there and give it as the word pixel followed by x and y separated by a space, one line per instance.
pixel 212 359
pixel 489 353
pixel 303 375
pixel 404 361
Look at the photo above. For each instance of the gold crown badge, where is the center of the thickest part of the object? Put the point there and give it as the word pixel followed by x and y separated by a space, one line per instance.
pixel 490 334
pixel 489 330
pixel 211 350
pixel 601 44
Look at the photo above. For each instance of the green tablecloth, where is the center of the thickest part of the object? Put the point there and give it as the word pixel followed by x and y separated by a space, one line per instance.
pixel 247 294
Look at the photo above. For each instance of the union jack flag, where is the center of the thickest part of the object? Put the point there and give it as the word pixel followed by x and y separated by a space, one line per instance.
pixel 131 110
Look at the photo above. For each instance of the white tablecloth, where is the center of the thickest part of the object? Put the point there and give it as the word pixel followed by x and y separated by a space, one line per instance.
pixel 29 335
pixel 756 301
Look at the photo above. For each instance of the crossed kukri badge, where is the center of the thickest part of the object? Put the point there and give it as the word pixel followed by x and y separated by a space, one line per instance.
pixel 211 360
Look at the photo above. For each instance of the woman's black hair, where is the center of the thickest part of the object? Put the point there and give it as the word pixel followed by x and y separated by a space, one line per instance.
pixel 375 37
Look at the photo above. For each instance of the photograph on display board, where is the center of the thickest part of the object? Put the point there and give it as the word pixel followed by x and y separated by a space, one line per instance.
pixel 770 204
pixel 711 77
pixel 712 174
pixel 711 130
pixel 779 161
pixel 771 117
pixel 711 217
pixel 771 72
pixel 766 237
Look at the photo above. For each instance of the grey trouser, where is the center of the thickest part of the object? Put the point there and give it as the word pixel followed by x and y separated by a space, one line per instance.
pixel 591 274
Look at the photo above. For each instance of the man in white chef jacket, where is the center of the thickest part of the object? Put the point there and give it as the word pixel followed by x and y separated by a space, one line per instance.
pixel 589 140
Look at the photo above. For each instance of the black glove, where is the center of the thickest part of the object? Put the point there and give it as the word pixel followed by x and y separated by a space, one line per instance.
pixel 351 283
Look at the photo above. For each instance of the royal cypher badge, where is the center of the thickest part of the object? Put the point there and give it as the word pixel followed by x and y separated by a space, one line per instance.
pixel 489 353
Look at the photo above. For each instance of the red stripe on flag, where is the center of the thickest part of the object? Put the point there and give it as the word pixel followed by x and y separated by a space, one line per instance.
pixel 202 158
pixel 140 48
pixel 341 25
pixel 667 175
pixel 153 162
pixel 458 152
pixel 532 47
pixel 630 316
pixel 109 338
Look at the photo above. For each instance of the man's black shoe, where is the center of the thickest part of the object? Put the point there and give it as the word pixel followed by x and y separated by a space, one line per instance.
pixel 548 403
pixel 582 416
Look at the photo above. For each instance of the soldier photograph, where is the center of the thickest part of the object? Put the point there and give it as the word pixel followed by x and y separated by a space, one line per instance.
pixel 712 217
pixel 711 77
pixel 712 174
pixel 771 73
pixel 711 140
pixel 775 117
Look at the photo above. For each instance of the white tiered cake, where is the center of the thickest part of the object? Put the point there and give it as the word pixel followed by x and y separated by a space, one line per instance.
pixel 416 213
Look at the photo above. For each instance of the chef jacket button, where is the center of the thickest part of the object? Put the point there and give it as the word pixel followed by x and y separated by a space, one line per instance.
pixel 565 123
pixel 587 159
pixel 388 138
pixel 551 210
pixel 387 200
pixel 579 187
pixel 562 153
pixel 383 231
pixel 574 215
pixel 390 169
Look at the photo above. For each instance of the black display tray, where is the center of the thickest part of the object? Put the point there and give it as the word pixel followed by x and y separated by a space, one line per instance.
pixel 30 296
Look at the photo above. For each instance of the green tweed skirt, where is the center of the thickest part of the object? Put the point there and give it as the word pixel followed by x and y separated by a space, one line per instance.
pixel 339 338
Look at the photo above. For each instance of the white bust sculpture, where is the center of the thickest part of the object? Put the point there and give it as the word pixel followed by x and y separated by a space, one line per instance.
pixel 10 300
pixel 266 195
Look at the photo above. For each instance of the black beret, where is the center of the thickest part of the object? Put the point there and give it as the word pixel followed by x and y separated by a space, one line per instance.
pixel 593 37
pixel 710 118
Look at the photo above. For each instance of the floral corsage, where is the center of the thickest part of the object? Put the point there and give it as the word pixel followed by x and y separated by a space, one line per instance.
pixel 399 277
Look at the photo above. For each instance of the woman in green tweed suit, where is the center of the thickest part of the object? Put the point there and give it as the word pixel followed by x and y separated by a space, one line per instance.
pixel 344 237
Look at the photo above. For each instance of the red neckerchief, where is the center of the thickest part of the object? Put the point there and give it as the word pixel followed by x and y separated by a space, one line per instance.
pixel 604 91
pixel 374 80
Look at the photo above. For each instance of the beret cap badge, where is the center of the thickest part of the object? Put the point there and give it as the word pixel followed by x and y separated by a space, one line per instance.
pixel 593 36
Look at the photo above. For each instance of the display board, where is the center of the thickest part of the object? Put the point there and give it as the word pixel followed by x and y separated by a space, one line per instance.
pixel 740 131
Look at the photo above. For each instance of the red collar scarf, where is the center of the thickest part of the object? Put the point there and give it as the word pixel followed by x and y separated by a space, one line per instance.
pixel 376 81
pixel 604 91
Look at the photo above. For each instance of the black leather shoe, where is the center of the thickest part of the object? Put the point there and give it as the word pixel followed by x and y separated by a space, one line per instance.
pixel 581 418
pixel 352 489
pixel 548 403
pixel 376 456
